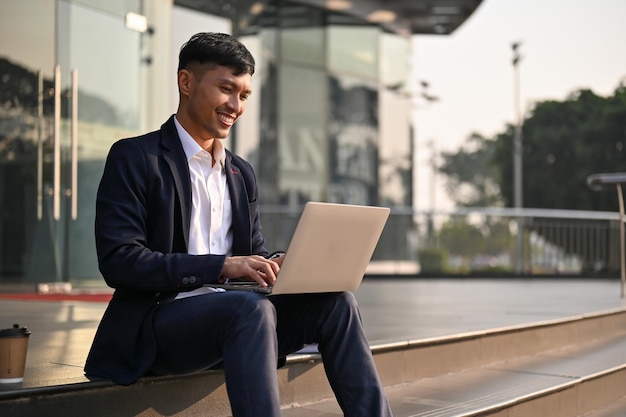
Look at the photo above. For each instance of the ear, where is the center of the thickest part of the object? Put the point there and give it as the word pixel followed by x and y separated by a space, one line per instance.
pixel 185 81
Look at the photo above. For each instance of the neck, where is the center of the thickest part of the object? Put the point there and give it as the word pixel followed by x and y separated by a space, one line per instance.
pixel 215 148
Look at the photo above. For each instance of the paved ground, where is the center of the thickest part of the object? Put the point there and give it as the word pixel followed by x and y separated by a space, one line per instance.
pixel 396 309
pixel 392 309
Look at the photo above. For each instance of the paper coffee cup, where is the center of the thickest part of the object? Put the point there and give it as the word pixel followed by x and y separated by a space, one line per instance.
pixel 13 348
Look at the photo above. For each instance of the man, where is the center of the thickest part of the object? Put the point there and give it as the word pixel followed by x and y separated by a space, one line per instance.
pixel 176 211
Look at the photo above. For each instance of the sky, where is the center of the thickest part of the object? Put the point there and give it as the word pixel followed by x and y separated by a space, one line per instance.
pixel 566 45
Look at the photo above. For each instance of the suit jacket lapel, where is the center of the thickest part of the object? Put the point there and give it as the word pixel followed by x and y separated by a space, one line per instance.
pixel 240 207
pixel 174 155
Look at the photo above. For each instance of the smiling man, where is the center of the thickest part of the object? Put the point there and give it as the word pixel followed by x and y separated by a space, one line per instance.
pixel 177 212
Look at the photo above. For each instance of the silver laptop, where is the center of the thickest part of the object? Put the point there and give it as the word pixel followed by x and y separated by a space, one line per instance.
pixel 329 250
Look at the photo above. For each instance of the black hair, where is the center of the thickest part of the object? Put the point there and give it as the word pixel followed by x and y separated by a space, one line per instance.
pixel 216 49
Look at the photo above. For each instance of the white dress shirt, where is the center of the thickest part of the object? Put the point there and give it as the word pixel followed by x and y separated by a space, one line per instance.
pixel 211 214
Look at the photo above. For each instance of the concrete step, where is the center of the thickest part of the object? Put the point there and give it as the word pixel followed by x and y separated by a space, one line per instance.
pixel 492 372
pixel 569 382
pixel 615 409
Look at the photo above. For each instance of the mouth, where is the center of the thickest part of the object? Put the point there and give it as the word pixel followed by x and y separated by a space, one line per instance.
pixel 227 119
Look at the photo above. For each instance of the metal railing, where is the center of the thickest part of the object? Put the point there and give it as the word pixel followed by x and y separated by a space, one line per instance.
pixel 603 181
pixel 482 241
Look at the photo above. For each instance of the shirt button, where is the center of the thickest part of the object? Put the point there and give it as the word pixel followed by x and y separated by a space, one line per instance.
pixel 185 280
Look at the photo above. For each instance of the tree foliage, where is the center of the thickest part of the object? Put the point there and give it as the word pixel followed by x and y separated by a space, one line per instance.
pixel 563 143
pixel 461 238
pixel 472 176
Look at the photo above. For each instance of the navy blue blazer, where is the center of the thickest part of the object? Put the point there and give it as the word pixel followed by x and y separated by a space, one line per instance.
pixel 143 211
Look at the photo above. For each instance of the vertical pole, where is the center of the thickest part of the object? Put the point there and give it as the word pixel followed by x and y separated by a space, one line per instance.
pixel 518 202
pixel 517 144
pixel 74 147
pixel 622 255
pixel 56 198
pixel 40 191
pixel 433 188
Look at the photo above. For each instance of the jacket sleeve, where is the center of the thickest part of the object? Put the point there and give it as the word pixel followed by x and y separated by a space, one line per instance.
pixel 135 230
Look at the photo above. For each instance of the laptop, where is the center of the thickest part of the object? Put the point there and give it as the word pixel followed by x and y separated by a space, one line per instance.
pixel 329 250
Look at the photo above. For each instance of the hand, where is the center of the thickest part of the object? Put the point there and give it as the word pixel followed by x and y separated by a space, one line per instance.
pixel 252 268
pixel 278 257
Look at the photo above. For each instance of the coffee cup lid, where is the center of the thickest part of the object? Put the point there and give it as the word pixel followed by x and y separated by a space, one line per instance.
pixel 15 331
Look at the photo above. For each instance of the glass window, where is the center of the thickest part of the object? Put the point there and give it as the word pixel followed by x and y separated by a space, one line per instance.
pixel 394 112
pixel 245 138
pixel 26 51
pixel 353 138
pixel 394 61
pixel 112 6
pixel 353 50
pixel 303 45
pixel 108 80
pixel 47 239
pixel 395 170
pixel 302 35
pixel 301 135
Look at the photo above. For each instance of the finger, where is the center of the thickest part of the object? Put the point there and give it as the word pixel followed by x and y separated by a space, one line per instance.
pixel 279 260
pixel 267 272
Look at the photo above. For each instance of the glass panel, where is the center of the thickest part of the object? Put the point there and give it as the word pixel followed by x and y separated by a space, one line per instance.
pixel 264 158
pixel 108 102
pixel 394 150
pixel 301 135
pixel 394 61
pixel 117 7
pixel 108 79
pixel 353 50
pixel 38 242
pixel 303 45
pixel 395 171
pixel 302 35
pixel 26 108
pixel 353 140
pixel 245 138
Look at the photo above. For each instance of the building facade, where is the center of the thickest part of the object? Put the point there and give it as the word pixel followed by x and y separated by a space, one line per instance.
pixel 329 119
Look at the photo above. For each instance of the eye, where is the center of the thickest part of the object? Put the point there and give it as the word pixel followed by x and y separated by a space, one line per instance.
pixel 244 97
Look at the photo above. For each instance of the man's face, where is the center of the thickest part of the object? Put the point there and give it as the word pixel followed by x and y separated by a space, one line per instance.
pixel 213 99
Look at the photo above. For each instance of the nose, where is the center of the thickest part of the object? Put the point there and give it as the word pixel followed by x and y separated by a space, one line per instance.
pixel 236 104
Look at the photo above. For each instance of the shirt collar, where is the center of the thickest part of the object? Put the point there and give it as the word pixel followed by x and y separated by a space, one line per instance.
pixel 191 147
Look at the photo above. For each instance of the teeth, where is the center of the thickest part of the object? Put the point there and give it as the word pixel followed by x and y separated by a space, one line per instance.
pixel 226 119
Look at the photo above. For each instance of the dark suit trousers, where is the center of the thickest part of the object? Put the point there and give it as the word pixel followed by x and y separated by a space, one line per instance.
pixel 249 331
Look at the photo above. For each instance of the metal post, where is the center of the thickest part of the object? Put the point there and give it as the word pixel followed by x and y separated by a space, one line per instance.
pixel 601 181
pixel 622 255
pixel 518 202
pixel 433 188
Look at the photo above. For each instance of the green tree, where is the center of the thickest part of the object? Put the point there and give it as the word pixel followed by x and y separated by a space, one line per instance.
pixel 471 173
pixel 499 238
pixel 461 238
pixel 563 143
